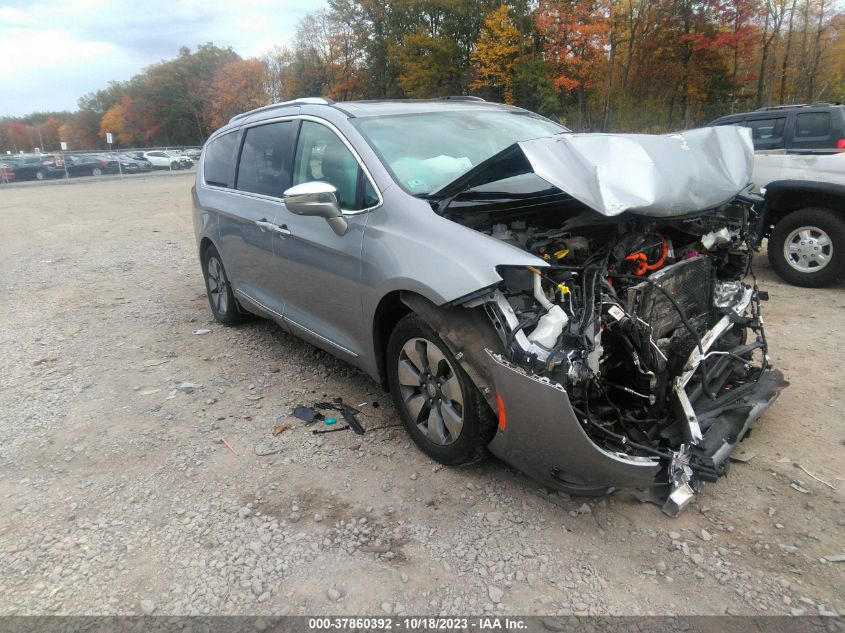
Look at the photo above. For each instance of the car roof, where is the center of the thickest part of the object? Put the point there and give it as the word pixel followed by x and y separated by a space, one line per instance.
pixel 389 107
pixel 382 107
pixel 772 111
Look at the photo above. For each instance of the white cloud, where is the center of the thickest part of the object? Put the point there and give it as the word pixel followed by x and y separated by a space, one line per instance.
pixel 37 49
pixel 66 48
pixel 9 16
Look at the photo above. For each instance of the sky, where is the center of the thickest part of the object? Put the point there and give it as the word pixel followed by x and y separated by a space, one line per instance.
pixel 52 52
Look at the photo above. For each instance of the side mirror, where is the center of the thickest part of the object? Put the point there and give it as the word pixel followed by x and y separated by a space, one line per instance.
pixel 317 199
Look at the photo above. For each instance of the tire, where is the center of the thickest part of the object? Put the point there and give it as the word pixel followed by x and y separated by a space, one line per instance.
pixel 221 299
pixel 96 171
pixel 807 247
pixel 40 175
pixel 175 165
pixel 414 346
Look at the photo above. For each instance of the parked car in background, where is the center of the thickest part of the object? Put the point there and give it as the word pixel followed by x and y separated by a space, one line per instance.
pixel 160 159
pixel 34 166
pixel 128 164
pixel 7 174
pixel 184 161
pixel 595 333
pixel 803 215
pixel 90 165
pixel 193 153
pixel 795 128
pixel 142 163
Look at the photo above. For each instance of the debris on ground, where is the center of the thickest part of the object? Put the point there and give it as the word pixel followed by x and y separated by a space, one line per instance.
pixel 187 387
pixel 281 428
pixel 796 485
pixel 202 330
pixel 821 481
pixel 229 446
pixel 835 558
pixel 330 421
pixel 307 414
pixel 349 413
pixel 221 382
pixel 743 457
pixel 331 430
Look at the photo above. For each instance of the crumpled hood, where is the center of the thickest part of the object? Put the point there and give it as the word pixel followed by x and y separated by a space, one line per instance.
pixel 655 175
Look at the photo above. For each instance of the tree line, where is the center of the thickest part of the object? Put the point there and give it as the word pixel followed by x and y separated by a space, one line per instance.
pixel 600 65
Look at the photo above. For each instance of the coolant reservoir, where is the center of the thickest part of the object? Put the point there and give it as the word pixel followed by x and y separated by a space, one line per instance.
pixel 549 327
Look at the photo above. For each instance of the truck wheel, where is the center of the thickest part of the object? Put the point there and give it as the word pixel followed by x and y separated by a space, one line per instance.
pixel 441 408
pixel 807 247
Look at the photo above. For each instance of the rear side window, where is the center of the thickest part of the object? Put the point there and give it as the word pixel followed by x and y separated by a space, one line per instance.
pixel 265 163
pixel 810 124
pixel 767 129
pixel 219 169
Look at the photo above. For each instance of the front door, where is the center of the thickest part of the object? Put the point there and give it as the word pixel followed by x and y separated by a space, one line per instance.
pixel 319 272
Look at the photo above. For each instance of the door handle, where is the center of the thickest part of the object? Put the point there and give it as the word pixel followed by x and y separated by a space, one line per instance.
pixel 264 225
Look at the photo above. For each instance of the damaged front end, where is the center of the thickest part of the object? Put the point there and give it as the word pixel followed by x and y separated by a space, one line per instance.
pixel 634 353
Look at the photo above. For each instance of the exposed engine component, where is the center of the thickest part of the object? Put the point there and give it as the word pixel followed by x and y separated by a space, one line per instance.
pixel 648 326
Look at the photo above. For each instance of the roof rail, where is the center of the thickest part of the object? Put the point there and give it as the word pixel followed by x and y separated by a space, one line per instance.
pixel 461 98
pixel 301 100
pixel 799 105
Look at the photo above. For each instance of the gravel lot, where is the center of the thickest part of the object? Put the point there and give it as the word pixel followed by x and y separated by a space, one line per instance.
pixel 118 496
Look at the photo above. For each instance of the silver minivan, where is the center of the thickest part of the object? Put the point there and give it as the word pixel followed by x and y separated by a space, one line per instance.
pixel 580 305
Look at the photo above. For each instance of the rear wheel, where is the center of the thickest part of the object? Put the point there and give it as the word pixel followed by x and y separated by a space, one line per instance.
pixel 40 175
pixel 221 299
pixel 807 247
pixel 441 408
pixel 96 171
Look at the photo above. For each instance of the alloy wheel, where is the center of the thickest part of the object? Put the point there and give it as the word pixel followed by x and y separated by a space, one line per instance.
pixel 217 286
pixel 431 391
pixel 808 249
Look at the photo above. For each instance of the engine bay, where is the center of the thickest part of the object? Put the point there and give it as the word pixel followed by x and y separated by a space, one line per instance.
pixel 651 325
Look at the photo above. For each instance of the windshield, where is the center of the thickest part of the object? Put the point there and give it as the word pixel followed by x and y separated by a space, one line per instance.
pixel 428 150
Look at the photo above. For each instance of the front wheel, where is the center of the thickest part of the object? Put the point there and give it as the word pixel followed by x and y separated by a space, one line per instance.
pixel 96 171
pixel 175 165
pixel 441 408
pixel 40 175
pixel 807 247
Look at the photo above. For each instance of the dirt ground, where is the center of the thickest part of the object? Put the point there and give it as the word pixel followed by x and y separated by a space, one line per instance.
pixel 119 497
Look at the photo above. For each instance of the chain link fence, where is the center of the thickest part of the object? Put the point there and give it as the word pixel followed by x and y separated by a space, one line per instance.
pixel 43 166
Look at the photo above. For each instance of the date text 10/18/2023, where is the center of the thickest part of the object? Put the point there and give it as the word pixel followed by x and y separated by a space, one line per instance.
pixel 416 623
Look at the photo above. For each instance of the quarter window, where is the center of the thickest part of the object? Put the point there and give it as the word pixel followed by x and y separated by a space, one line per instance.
pixel 219 169
pixel 811 124
pixel 265 161
pixel 321 155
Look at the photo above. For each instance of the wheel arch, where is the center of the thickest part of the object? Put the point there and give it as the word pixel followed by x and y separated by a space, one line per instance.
pixel 205 242
pixel 786 196
pixel 388 313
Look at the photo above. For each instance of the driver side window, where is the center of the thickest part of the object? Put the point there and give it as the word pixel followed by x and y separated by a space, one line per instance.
pixel 321 155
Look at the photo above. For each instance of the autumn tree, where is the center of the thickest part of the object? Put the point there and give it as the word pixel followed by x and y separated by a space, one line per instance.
pixel 278 74
pixel 575 35
pixel 237 87
pixel 497 53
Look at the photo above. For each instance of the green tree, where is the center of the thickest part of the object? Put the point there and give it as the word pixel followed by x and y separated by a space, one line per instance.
pixel 496 54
